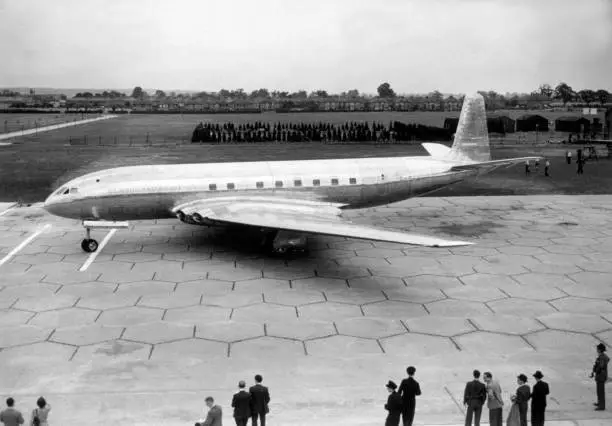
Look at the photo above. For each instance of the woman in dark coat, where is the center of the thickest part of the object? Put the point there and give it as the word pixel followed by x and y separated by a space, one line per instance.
pixel 393 405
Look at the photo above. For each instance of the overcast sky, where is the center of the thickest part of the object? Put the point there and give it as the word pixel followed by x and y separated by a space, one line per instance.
pixel 336 45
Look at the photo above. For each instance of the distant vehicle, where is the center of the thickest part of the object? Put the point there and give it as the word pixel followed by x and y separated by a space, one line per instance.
pixel 281 198
pixel 556 141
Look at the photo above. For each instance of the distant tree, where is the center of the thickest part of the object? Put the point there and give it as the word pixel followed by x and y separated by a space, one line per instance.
pixel 353 93
pixel 238 94
pixel 546 90
pixel 63 97
pixel 137 93
pixel 385 91
pixel 300 94
pixel 283 94
pixel 588 96
pixel 321 93
pixel 602 96
pixel 87 95
pixel 160 94
pixel 224 93
pixel 260 93
pixel 173 94
pixel 564 92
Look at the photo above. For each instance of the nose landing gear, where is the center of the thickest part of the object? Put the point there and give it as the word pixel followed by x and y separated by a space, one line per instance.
pixel 89 245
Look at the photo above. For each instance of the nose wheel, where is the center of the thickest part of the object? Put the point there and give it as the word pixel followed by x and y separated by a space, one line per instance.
pixel 89 245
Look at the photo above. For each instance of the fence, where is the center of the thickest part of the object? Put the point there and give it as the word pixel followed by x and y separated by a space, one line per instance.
pixel 36 129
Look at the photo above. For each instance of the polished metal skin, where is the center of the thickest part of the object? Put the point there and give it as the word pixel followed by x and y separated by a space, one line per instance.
pixel 302 196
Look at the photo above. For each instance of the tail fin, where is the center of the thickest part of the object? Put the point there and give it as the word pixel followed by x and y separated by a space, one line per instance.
pixel 471 144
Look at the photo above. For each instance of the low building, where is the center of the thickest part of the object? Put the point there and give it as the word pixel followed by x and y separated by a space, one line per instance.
pixel 575 124
pixel 500 124
pixel 531 123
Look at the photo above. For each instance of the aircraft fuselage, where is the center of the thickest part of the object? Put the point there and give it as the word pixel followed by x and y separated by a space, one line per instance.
pixel 152 191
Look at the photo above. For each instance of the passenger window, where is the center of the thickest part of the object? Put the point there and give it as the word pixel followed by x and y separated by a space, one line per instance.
pixel 212 187
pixel 316 182
pixel 297 182
pixel 352 181
pixel 231 186
pixel 279 183
pixel 334 181
pixel 259 184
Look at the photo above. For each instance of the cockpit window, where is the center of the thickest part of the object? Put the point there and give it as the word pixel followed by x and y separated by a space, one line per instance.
pixel 62 190
pixel 74 190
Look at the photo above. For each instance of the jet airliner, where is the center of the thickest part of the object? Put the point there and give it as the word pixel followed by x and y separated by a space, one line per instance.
pixel 285 199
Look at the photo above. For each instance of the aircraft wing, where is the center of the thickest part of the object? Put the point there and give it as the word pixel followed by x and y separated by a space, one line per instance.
pixel 302 216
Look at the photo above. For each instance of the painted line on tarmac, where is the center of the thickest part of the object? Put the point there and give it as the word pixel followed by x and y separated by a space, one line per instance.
pixel 8 209
pixel 95 254
pixel 24 243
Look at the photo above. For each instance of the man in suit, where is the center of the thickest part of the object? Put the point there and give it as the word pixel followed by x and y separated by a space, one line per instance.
pixel 494 400
pixel 538 400
pixel 260 398
pixel 214 416
pixel 522 397
pixel 409 389
pixel 241 402
pixel 393 405
pixel 474 397
pixel 600 373
pixel 11 416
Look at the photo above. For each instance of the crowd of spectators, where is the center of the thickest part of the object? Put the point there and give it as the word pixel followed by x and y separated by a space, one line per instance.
pixel 349 131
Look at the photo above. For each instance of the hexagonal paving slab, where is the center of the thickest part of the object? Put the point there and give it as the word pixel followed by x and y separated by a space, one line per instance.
pixel 415 295
pixel 266 346
pixel 262 285
pixel 64 317
pixel 355 296
pixel 344 346
pixel 418 345
pixel 233 300
pixel 23 335
pixel 293 297
pixel 575 322
pixel 521 307
pixel 300 329
pixel 113 349
pixel 506 324
pixel 191 348
pixel 264 312
pixel 108 302
pixel 439 325
pixel 371 328
pixel 568 342
pixel 86 335
pixel 92 289
pixel 394 309
pixel 582 306
pixel 475 294
pixel 204 287
pixel 10 317
pixel 230 331
pixel 169 300
pixel 40 353
pixel 38 304
pixel 492 343
pixel 128 316
pixel 428 282
pixel 458 308
pixel 158 332
pixel 144 288
pixel 200 314
pixel 329 311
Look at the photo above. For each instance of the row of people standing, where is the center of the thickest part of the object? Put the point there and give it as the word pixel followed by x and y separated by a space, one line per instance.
pixel 402 402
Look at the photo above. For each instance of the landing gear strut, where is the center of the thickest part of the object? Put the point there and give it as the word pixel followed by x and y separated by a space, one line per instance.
pixel 89 245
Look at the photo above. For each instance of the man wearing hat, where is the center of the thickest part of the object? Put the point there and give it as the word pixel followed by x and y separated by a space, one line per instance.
pixel 600 373
pixel 521 399
pixel 538 400
pixel 393 405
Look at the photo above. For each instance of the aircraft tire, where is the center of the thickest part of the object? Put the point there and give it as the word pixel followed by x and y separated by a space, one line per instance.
pixel 89 246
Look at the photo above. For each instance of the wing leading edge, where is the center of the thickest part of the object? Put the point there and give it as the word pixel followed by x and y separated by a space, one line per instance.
pixel 310 218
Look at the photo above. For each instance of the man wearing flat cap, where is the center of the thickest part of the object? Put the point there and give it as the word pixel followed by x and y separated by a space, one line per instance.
pixel 393 405
pixel 600 374
pixel 538 400
pixel 521 399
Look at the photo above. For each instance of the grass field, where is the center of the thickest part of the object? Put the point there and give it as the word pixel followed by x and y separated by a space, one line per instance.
pixel 35 165
pixel 15 122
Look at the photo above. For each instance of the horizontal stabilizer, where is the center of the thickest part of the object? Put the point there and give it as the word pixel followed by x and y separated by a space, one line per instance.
pixel 437 150
pixel 508 162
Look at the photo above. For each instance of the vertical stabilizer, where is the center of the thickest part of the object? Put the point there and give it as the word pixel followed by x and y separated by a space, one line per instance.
pixel 471 142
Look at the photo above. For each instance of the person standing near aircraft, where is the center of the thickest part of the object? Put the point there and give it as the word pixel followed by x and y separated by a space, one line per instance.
pixel 521 398
pixel 241 402
pixel 260 398
pixel 494 400
pixel 409 389
pixel 474 398
pixel 600 374
pixel 538 400
pixel 393 405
